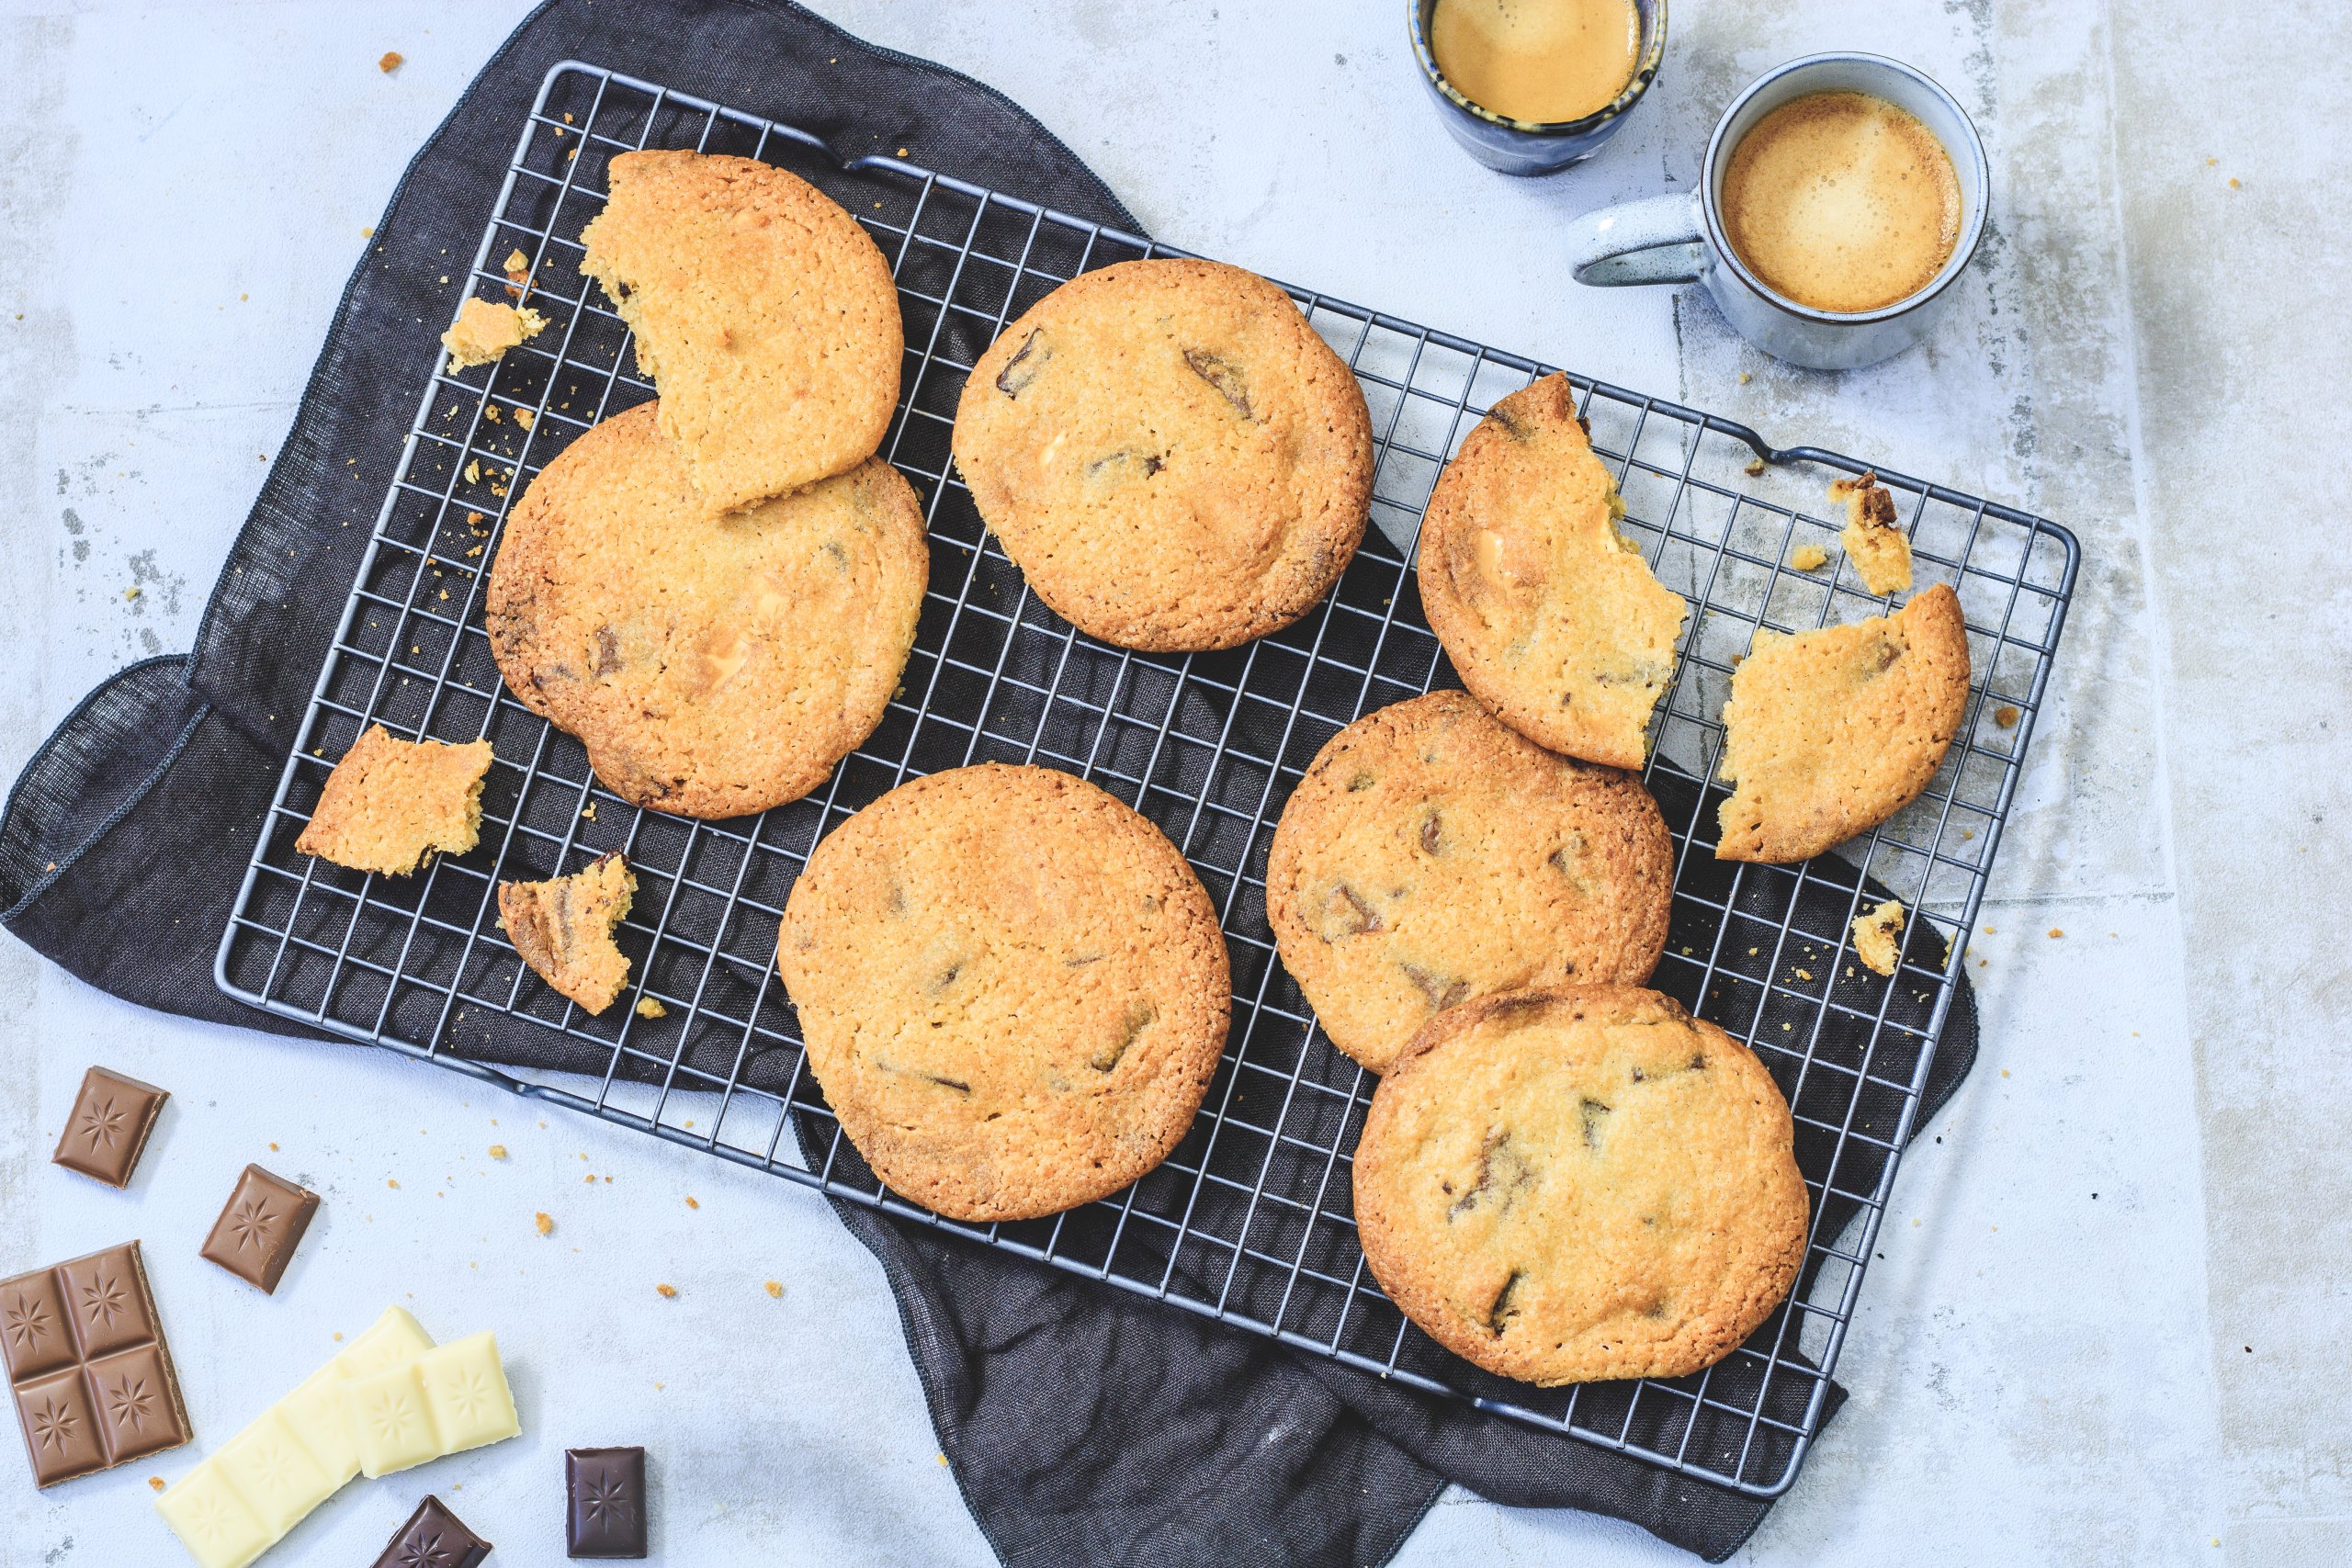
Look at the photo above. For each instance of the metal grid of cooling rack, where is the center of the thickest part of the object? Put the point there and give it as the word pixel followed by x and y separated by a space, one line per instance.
pixel 1251 1221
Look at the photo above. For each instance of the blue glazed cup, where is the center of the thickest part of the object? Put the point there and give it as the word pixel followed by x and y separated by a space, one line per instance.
pixel 1526 146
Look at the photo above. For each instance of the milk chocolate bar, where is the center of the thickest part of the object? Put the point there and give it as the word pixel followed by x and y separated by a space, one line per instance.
pixel 87 1364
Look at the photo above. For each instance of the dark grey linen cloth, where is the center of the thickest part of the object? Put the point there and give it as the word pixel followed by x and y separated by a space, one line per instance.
pixel 1085 1426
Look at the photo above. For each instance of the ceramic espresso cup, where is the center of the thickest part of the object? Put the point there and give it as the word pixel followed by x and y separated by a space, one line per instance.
pixel 1679 237
pixel 1524 146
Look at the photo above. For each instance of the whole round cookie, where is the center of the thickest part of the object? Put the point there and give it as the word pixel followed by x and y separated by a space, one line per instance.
pixel 765 314
pixel 1173 457
pixel 1011 987
pixel 1828 733
pixel 1432 854
pixel 1549 614
pixel 711 667
pixel 1580 1183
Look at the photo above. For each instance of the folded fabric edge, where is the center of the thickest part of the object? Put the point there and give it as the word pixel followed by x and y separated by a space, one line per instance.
pixel 70 769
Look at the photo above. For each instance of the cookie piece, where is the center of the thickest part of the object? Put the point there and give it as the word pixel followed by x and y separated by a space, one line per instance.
pixel 563 928
pixel 1580 1183
pixel 1549 614
pixel 763 312
pixel 1012 989
pixel 1878 936
pixel 1828 733
pixel 1874 541
pixel 1432 854
pixel 391 804
pixel 1173 457
pixel 483 332
pixel 712 667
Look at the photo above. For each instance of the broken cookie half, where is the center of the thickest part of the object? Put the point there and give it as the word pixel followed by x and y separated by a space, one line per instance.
pixel 391 804
pixel 1828 733
pixel 563 928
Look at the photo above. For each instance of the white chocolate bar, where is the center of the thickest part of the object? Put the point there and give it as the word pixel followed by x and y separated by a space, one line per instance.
pixel 389 1401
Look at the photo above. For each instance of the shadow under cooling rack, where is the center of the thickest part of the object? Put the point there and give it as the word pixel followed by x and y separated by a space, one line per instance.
pixel 1250 1222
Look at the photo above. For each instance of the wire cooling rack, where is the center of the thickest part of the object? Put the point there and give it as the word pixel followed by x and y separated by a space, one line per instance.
pixel 1251 1221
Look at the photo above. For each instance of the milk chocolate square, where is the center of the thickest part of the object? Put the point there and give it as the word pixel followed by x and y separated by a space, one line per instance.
pixel 61 1433
pixel 260 1226
pixel 109 1127
pixel 92 1377
pixel 433 1538
pixel 606 1488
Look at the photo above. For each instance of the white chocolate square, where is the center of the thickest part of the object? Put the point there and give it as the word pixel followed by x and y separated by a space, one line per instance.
pixel 392 1421
pixel 314 1414
pixel 466 1385
pixel 389 1340
pixel 274 1472
pixel 212 1522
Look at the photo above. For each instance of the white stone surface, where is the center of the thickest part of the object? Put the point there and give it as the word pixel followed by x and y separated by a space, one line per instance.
pixel 2143 351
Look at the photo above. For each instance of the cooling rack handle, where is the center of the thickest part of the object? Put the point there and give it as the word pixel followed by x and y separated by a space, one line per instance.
pixel 1653 239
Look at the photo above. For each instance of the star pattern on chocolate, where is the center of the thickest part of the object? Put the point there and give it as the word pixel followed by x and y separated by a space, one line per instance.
pixel 390 1412
pixel 102 1124
pixel 27 1322
pixel 130 1402
pixel 604 1502
pixel 273 1464
pixel 106 1300
pixel 53 1423
pixel 425 1549
pixel 469 1393
pixel 211 1520
pixel 253 1224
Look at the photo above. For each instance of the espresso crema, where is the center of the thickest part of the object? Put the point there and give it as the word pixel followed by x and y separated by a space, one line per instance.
pixel 1841 201
pixel 1546 61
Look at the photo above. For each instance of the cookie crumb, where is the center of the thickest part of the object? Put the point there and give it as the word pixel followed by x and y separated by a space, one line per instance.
pixel 155 1481
pixel 647 1008
pixel 498 1151
pixel 775 1288
pixel 1755 469
pixel 483 332
pixel 525 418
pixel 667 1293
pixel 690 1202
pixel 1875 934
pixel 1873 540
pixel 2056 933
pixel 393 60
pixel 2005 717
pixel 1808 558
pixel 545 1224
pixel 392 1183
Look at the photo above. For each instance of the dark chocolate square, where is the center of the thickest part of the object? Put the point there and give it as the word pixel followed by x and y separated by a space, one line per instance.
pixel 107 1300
pixel 433 1538
pixel 107 1129
pixel 260 1226
pixel 61 1434
pixel 606 1487
pixel 91 1374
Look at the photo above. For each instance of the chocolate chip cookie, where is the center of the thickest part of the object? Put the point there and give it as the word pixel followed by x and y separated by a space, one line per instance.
pixel 1173 457
pixel 712 667
pixel 1549 614
pixel 1580 1183
pixel 1828 733
pixel 563 928
pixel 1432 854
pixel 1012 989
pixel 763 312
pixel 391 804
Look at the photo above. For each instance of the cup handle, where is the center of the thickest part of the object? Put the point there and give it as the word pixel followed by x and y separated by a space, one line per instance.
pixel 1655 240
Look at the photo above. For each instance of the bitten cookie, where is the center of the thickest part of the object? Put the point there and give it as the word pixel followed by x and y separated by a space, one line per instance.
pixel 1828 733
pixel 1582 1183
pixel 763 312
pixel 1170 453
pixel 563 928
pixel 391 804
pixel 1012 989
pixel 1549 614
pixel 1432 854
pixel 712 667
